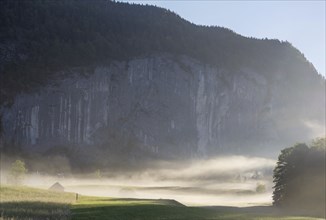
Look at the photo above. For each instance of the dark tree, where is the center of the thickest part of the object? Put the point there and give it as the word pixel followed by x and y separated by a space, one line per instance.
pixel 299 178
pixel 287 172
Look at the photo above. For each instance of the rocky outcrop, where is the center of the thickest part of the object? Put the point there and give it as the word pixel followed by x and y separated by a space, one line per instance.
pixel 162 106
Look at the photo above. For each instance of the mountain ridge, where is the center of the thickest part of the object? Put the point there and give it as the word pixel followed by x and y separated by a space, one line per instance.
pixel 108 80
pixel 87 34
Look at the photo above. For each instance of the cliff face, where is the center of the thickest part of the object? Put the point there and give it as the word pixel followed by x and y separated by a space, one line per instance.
pixel 161 106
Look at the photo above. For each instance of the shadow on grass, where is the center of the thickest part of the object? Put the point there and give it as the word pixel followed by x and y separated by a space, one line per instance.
pixel 143 212
pixel 253 209
pixel 166 212
pixel 34 210
pixel 271 210
pixel 170 202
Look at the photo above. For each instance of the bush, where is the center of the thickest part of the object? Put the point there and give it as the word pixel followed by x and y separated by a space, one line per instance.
pixel 17 172
pixel 260 188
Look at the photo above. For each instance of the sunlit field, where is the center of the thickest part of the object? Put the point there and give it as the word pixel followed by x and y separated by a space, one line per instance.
pixel 31 203
pixel 221 188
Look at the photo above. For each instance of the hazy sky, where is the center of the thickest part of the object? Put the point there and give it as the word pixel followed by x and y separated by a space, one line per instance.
pixel 302 23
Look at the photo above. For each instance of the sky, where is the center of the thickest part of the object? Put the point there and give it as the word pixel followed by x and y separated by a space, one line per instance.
pixel 302 23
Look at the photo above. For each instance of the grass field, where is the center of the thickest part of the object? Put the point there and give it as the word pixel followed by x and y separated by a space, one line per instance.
pixel 30 203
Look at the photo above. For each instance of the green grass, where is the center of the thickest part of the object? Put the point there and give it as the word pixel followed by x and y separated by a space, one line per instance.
pixel 12 194
pixel 140 209
pixel 126 209
pixel 29 203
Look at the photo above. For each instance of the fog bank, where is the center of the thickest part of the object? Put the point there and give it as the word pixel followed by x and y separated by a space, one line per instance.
pixel 231 181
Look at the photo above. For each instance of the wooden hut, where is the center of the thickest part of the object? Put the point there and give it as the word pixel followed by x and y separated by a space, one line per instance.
pixel 57 187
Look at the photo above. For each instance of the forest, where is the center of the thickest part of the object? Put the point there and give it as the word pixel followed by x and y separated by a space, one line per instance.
pixel 40 38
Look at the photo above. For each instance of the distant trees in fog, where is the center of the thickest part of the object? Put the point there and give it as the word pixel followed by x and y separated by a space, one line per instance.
pixel 17 172
pixel 299 178
pixel 260 188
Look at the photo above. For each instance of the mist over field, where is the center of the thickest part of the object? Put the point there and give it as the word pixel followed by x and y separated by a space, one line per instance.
pixel 231 180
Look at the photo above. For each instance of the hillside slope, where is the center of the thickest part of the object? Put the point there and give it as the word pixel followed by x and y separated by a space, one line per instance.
pixel 104 81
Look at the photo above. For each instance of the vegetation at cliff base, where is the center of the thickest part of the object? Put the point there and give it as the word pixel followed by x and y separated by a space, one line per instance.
pixel 17 172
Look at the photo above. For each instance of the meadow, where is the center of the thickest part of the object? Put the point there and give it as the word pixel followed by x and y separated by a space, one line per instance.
pixel 32 203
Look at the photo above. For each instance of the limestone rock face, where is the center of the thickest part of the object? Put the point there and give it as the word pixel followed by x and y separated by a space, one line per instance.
pixel 164 106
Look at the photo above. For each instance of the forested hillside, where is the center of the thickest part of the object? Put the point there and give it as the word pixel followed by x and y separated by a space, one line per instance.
pixel 38 38
pixel 111 82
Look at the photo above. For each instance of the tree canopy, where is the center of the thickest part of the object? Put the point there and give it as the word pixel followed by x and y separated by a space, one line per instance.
pixel 299 178
pixel 17 172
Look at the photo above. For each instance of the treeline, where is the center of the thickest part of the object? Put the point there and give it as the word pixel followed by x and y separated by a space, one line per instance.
pixel 299 178
pixel 38 38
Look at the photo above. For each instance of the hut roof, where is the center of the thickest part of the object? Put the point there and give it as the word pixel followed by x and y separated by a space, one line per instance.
pixel 57 187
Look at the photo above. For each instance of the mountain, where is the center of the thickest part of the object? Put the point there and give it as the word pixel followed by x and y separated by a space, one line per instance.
pixel 104 83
